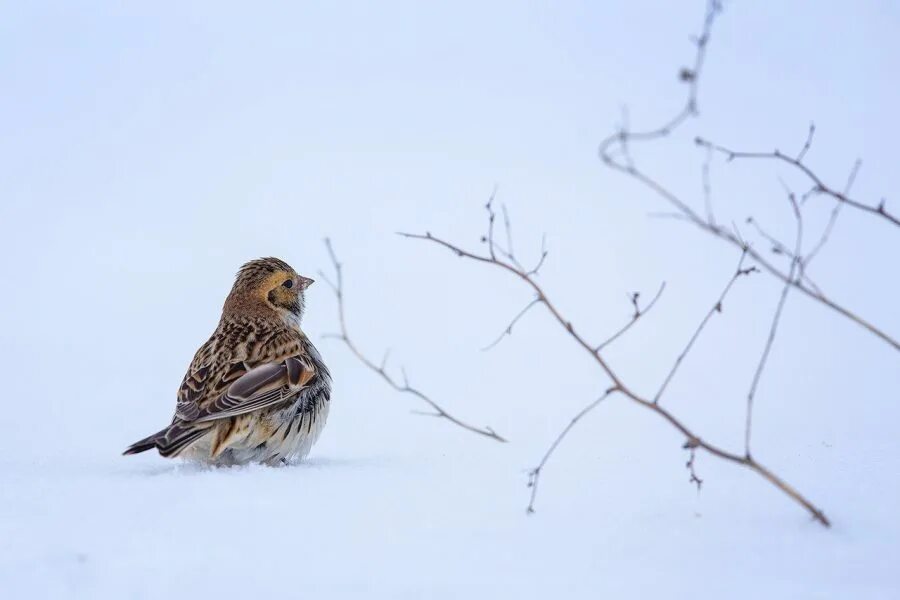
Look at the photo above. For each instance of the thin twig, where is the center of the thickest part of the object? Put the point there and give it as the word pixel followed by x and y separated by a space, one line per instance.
pixel 540 263
pixel 796 261
pixel 509 241
pixel 534 475
pixel 809 138
pixel 691 76
pixel 717 307
pixel 832 218
pixel 777 246
pixel 508 252
pixel 691 465
pixel 338 288
pixel 734 239
pixel 707 187
pixel 638 313
pixel 818 185
pixel 491 216
pixel 509 328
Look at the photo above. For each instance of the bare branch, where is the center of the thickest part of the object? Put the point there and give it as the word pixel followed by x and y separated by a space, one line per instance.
pixel 540 263
pixel 608 154
pixel 796 261
pixel 808 143
pixel 618 384
pixel 707 187
pixel 509 328
pixel 615 151
pixel 509 241
pixel 534 475
pixel 691 465
pixel 688 215
pixel 832 219
pixel 638 313
pixel 777 246
pixel 818 185
pixel 508 253
pixel 717 307
pixel 619 140
pixel 802 285
pixel 489 207
pixel 404 387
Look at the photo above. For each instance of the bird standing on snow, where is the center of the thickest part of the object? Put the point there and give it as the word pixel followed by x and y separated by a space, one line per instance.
pixel 257 391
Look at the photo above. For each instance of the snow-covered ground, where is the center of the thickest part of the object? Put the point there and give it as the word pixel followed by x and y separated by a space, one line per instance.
pixel 392 506
pixel 146 152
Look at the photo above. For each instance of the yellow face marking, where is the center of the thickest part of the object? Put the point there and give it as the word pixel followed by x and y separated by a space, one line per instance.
pixel 273 283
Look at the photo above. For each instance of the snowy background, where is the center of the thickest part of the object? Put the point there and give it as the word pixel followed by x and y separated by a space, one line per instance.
pixel 146 151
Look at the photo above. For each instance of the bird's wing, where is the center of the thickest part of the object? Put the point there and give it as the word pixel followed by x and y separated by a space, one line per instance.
pixel 261 386
pixel 218 389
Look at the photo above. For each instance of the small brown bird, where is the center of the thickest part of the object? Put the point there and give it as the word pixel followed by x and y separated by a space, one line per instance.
pixel 257 391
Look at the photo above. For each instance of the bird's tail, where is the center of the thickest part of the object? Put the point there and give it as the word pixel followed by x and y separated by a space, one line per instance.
pixel 169 441
pixel 148 443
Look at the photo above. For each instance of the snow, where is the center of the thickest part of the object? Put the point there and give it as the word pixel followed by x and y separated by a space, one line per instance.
pixel 440 514
pixel 147 152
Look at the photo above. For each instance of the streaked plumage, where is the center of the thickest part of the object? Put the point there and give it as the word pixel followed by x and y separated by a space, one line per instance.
pixel 257 390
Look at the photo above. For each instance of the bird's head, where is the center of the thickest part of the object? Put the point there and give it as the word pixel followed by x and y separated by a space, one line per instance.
pixel 267 285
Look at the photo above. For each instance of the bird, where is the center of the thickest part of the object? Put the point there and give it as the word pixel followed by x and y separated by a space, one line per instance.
pixel 258 390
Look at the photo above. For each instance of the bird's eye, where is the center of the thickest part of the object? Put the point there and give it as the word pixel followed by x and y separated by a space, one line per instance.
pixel 288 284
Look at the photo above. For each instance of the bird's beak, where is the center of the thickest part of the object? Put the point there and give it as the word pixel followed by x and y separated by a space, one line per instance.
pixel 305 282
